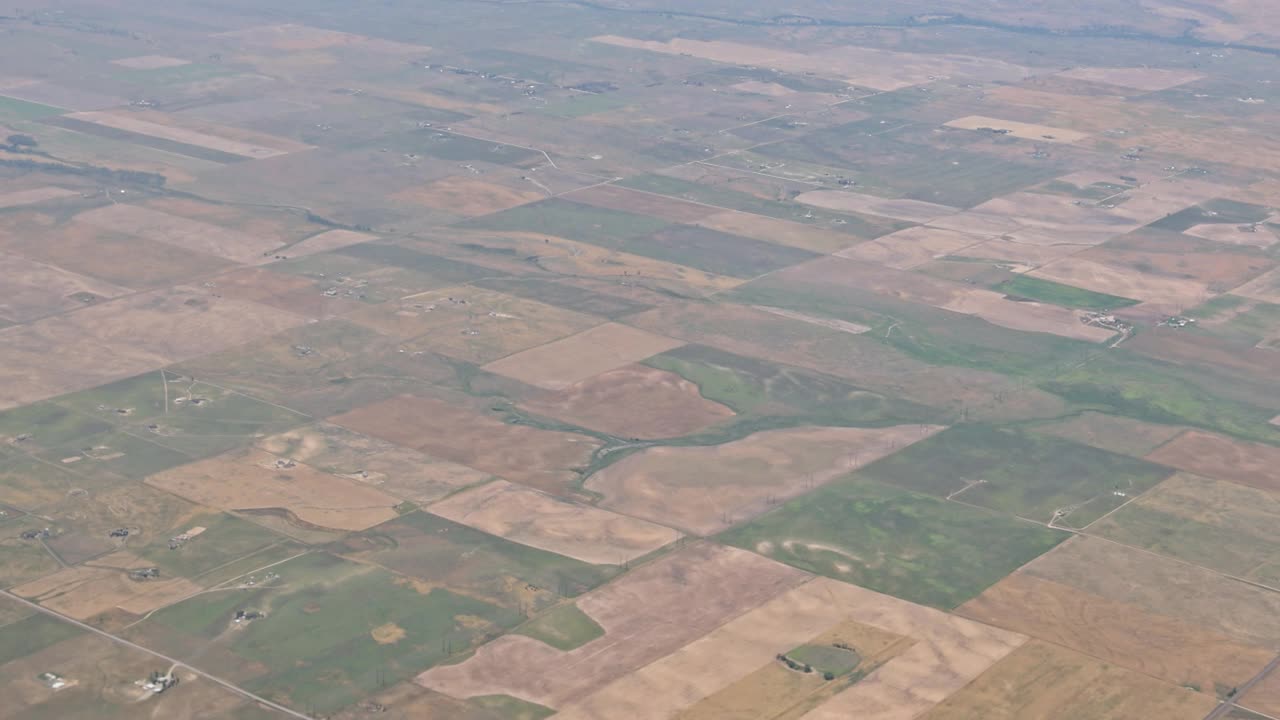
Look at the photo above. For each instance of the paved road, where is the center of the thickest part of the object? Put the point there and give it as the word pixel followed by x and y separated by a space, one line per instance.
pixel 176 663
pixel 1226 706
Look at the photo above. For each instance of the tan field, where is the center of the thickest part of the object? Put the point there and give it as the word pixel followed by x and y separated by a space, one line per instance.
pixel 468 196
pixel 1109 432
pixel 326 241
pixel 396 470
pixel 1059 219
pixel 117 339
pixel 1265 288
pixel 912 247
pixel 1226 233
pixel 633 401
pixel 1125 282
pixel 1217 271
pixel 1222 458
pixel 18 198
pixel 470 323
pixel 704 585
pixel 741 647
pixel 843 201
pixel 1046 682
pixel 257 480
pixel 158 125
pixel 1191 594
pixel 841 325
pixel 426 98
pixel 706 489
pixel 783 232
pixel 878 69
pixel 645 203
pixel 101 585
pixel 1265 696
pixel 1020 255
pixel 180 231
pixel 539 520
pixel 544 459
pixel 1026 131
pixel 29 290
pixel 293 37
pixel 1177 652
pixel 1136 78
pixel 562 363
pixel 150 62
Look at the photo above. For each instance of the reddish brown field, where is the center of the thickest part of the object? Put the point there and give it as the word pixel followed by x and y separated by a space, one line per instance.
pixel 634 401
pixel 541 458
pixel 1222 458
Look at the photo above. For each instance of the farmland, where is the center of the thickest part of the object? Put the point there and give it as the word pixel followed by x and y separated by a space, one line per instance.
pixel 603 360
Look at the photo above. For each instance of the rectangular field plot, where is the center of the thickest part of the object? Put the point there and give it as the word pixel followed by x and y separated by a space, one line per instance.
pixel 572 221
pixel 1042 478
pixel 188 234
pixel 889 540
pixel 1216 524
pixel 29 290
pixel 1221 458
pixel 167 127
pixel 1026 131
pixel 715 251
pixel 559 364
pixel 327 623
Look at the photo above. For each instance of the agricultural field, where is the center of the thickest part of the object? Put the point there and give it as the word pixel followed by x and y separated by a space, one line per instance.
pixel 603 360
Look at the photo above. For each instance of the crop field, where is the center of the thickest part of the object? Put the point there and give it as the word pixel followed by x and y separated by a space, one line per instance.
pixel 911 546
pixel 1221 458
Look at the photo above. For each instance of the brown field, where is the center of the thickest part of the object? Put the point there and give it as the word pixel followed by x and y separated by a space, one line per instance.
pixel 293 37
pixel 1197 350
pixel 1136 78
pixel 539 520
pixel 257 480
pixel 1265 696
pixel 644 203
pixel 1265 288
pixel 544 459
pixel 326 241
pixel 150 62
pixel 391 468
pixel 841 325
pixel 912 247
pixel 633 401
pixel 783 232
pixel 286 292
pixel 124 337
pixel 1222 458
pixel 741 647
pixel 33 196
pixel 1109 432
pixel 832 275
pixel 1125 282
pixel 1248 235
pixel 878 69
pixel 1191 594
pixel 467 196
pixel 29 290
pixel 1177 652
pixel 102 585
pixel 1027 131
pixel 704 585
pixel 426 98
pixel 183 232
pixel 844 201
pixel 1020 255
pixel 158 125
pixel 1218 271
pixel 707 489
pixel 570 360
pixel 470 323
pixel 1046 682
pixel 1046 219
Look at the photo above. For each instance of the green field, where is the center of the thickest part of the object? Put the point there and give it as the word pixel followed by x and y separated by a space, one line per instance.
pixel 564 627
pixel 897 542
pixel 1020 473
pixel 47 425
pixel 442 552
pixel 15 110
pixel 226 538
pixel 1054 293
pixel 1215 212
pixel 32 634
pixel 826 659
pixel 22 560
pixel 572 221
pixel 715 252
pixel 505 707
pixel 1250 322
pixel 334 630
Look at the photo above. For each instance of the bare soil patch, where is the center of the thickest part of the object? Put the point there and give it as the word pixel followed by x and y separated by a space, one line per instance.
pixel 257 480
pixel 544 459
pixel 1222 458
pixel 843 201
pixel 539 520
pixel 1266 287
pixel 183 232
pixel 1229 234
pixel 1026 131
pixel 1177 652
pixel 396 470
pixel 1137 78
pixel 1265 696
pixel 468 196
pixel 103 584
pixel 29 290
pixel 1048 682
pixel 633 401
pixel 706 489
pixel 1124 282
pixel 703 585
pixel 1217 271
pixel 912 247
pixel 561 363
pixel 326 241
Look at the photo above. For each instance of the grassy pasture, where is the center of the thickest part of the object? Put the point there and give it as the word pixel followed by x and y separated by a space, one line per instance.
pixel 1059 294
pixel 564 627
